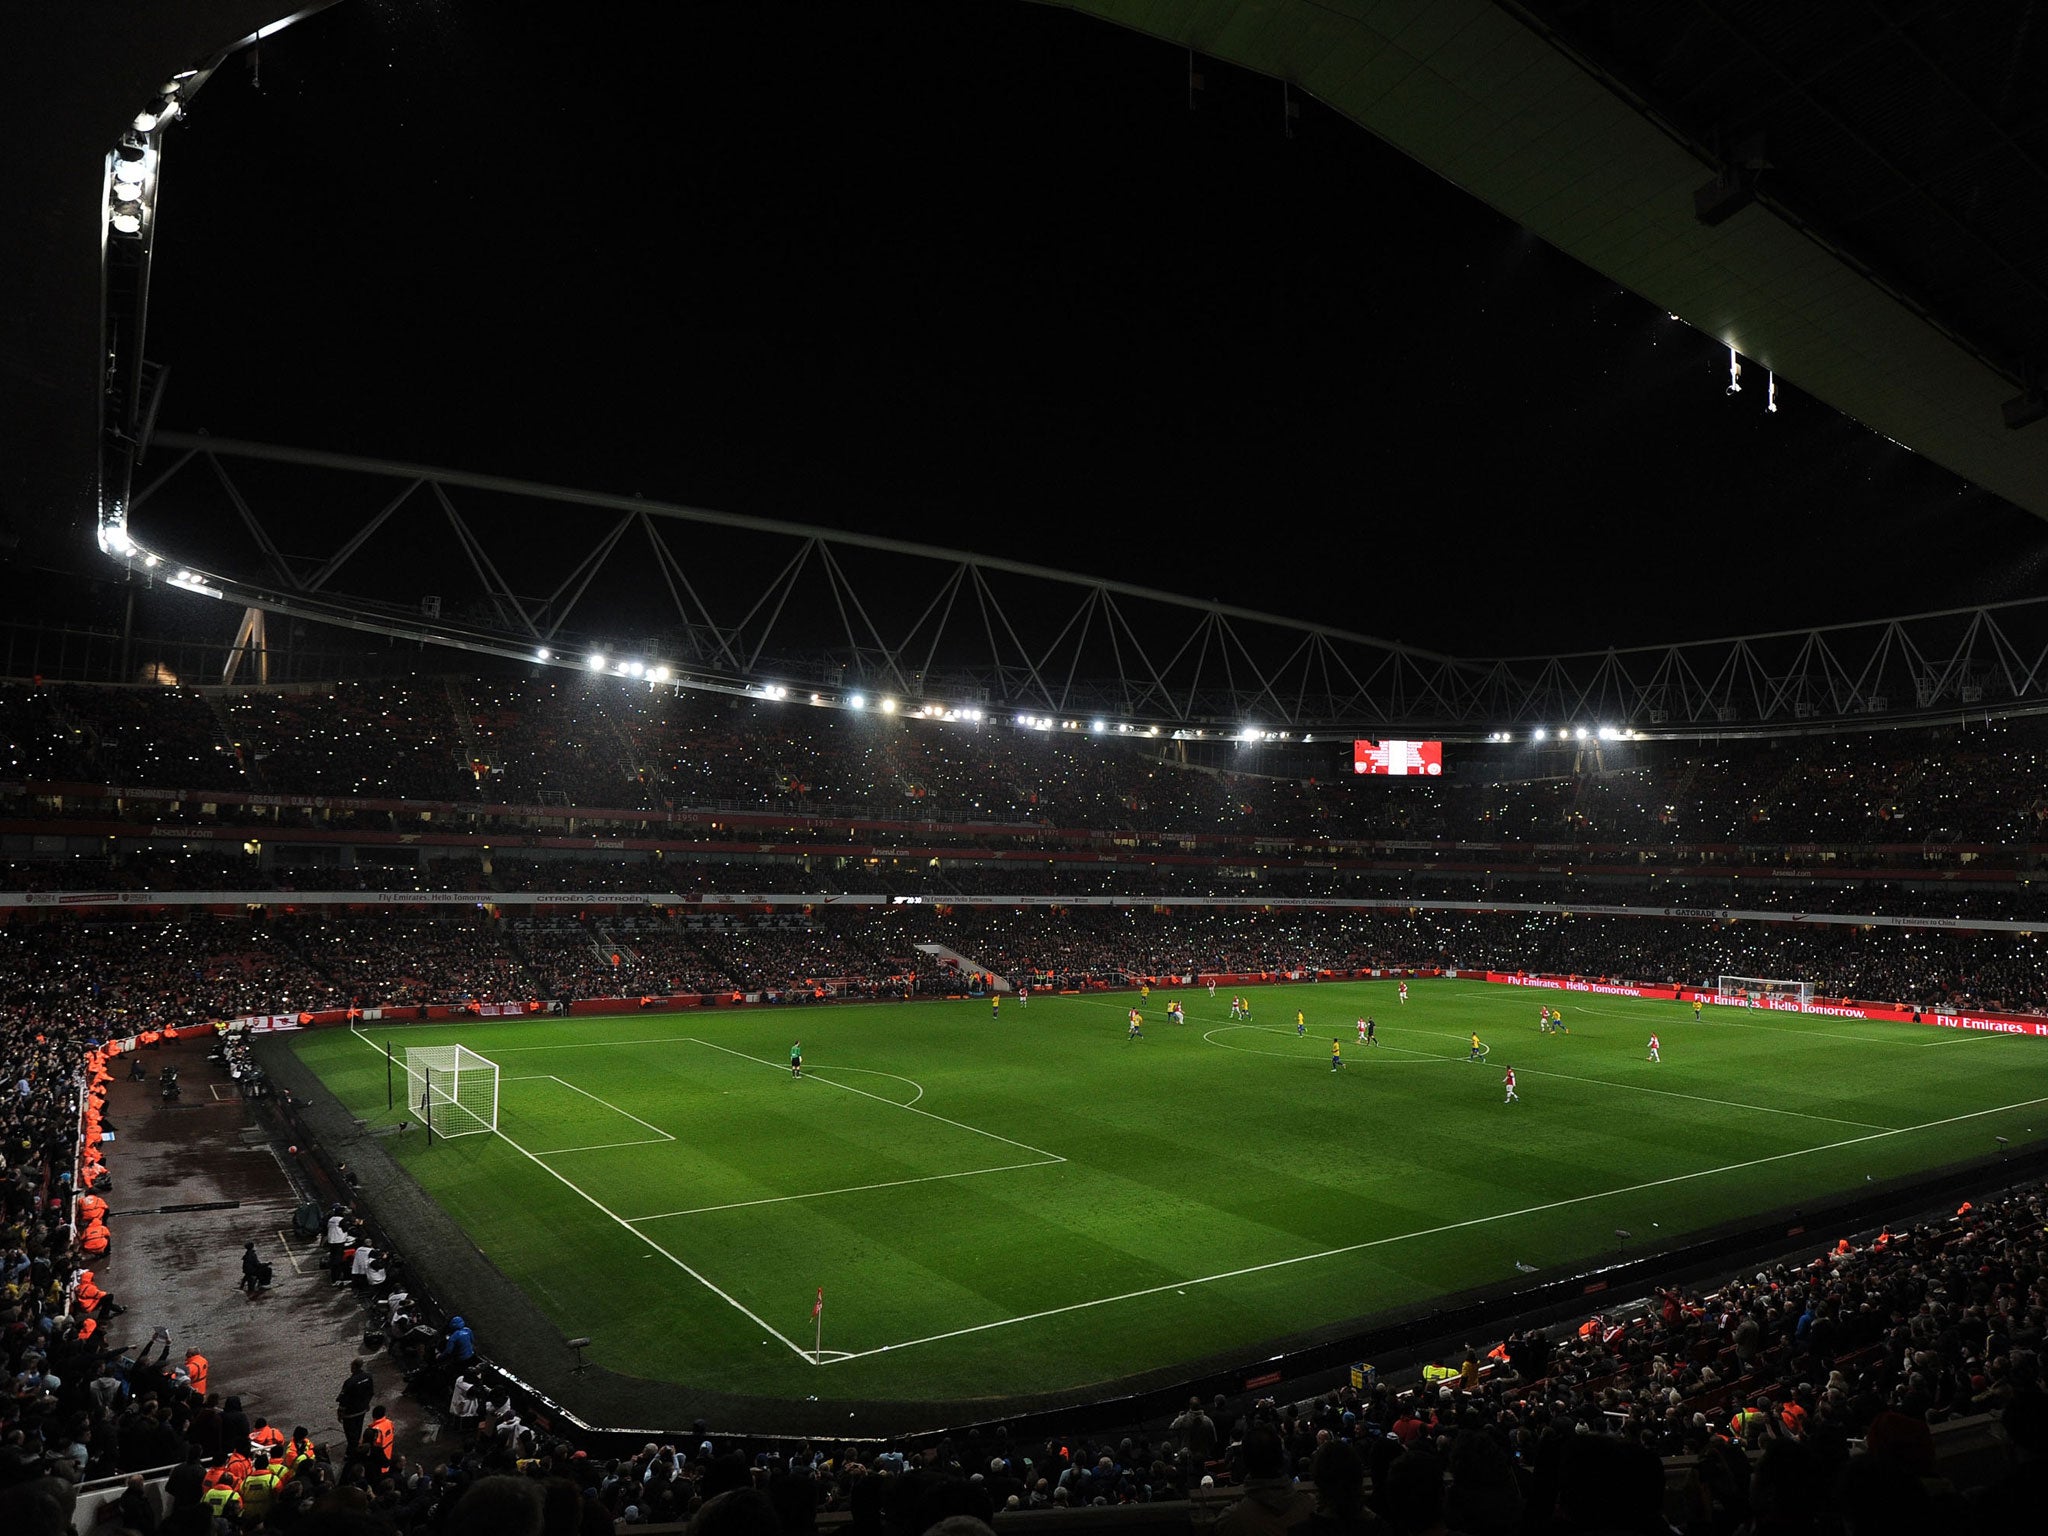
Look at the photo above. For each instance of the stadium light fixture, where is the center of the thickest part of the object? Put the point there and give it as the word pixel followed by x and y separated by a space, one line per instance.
pixel 125 221
pixel 1581 733
pixel 1734 371
pixel 888 706
pixel 542 654
pixel 131 164
pixel 635 668
pixel 157 113
pixel 1099 727
pixel 857 701
pixel 1771 391
pixel 1539 734
pixel 596 662
pixel 658 675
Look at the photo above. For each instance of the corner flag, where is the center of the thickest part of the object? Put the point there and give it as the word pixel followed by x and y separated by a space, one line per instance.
pixel 818 1319
pixel 818 1306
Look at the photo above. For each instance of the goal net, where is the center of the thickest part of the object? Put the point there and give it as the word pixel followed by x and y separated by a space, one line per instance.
pixel 454 1090
pixel 1761 991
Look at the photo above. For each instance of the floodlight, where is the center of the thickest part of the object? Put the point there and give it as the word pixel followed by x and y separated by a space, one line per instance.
pixel 888 706
pixel 659 675
pixel 131 163
pixel 1734 371
pixel 126 221
pixel 126 192
pixel 542 654
pixel 633 668
pixel 857 701
pixel 816 700
pixel 1771 391
pixel 596 662
pixel 1100 727
pixel 1581 733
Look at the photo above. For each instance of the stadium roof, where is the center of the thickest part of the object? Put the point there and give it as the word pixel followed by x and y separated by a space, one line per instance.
pixel 1891 256
pixel 1875 256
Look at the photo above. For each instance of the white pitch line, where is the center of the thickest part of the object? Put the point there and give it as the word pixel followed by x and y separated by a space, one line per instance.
pixel 1700 1098
pixel 607 1103
pixel 1965 1037
pixel 959 1125
pixel 766 1327
pixel 1670 1093
pixel 1436 1231
pixel 872 1072
pixel 606 1146
pixel 1717 1017
pixel 851 1189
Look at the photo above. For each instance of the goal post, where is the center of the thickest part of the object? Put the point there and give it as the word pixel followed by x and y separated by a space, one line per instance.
pixel 1761 991
pixel 453 1089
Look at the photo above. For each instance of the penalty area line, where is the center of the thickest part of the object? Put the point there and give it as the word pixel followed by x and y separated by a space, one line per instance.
pixel 850 1189
pixel 740 1307
pixel 910 1109
pixel 1437 1231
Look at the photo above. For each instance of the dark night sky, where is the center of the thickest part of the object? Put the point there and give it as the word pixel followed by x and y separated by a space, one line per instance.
pixel 974 274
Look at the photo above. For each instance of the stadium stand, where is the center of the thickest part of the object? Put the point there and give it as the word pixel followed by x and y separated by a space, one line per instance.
pixel 1848 1385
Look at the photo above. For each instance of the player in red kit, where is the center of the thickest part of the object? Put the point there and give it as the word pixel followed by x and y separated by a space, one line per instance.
pixel 1509 1083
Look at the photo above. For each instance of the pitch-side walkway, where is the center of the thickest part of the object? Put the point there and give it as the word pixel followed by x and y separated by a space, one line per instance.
pixel 192 1181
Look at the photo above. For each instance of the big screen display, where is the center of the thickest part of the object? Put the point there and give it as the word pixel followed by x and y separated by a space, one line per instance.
pixel 1397 758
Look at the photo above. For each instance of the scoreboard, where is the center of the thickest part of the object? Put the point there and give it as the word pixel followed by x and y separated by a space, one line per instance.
pixel 1398 758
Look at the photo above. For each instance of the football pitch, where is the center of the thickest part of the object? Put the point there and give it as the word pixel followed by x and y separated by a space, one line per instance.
pixel 1039 1204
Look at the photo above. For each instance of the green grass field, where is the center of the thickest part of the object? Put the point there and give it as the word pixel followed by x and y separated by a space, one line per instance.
pixel 1039 1204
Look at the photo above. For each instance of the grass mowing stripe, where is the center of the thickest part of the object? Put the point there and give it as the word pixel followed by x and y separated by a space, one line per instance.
pixel 745 1311
pixel 1437 1231
pixel 1602 1082
pixel 1669 1093
pixel 907 1108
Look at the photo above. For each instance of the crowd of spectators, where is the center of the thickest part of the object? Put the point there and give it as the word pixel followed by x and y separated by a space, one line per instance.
pixel 594 742
pixel 1808 1390
pixel 202 966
